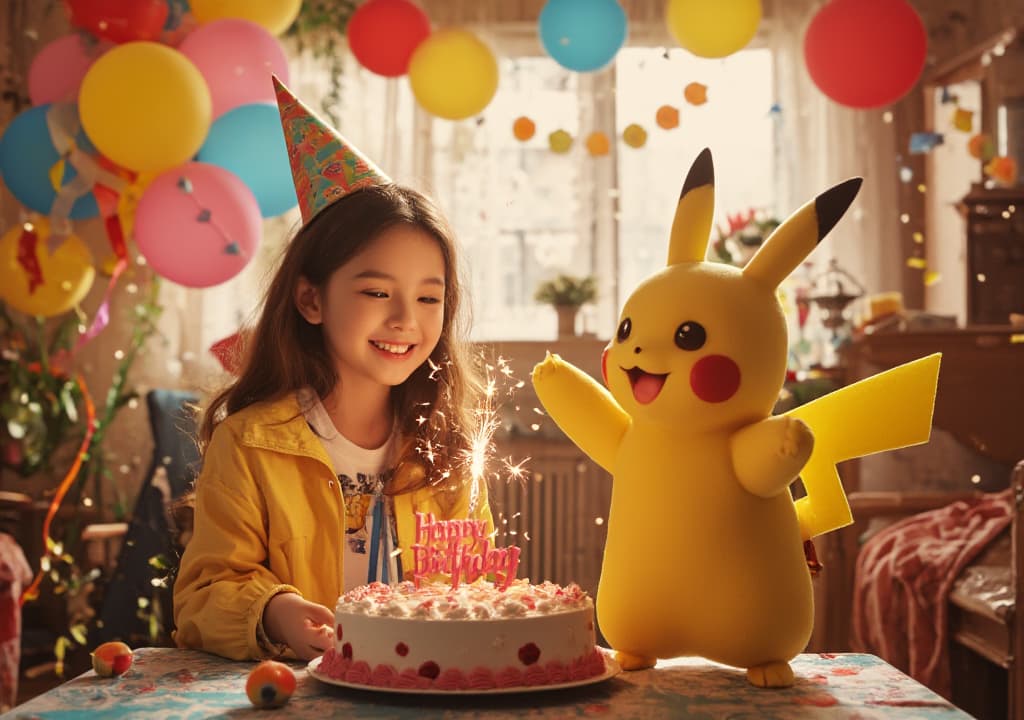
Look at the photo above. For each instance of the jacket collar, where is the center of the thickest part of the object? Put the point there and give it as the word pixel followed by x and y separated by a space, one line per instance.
pixel 280 425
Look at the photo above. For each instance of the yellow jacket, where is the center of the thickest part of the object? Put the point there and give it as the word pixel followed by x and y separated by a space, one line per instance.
pixel 270 517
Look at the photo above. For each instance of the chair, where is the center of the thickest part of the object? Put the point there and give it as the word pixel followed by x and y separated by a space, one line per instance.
pixel 136 605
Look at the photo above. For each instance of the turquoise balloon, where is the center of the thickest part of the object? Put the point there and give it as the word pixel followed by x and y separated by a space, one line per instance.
pixel 249 142
pixel 582 35
pixel 26 156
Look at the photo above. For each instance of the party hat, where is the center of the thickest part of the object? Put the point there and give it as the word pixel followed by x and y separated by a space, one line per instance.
pixel 325 166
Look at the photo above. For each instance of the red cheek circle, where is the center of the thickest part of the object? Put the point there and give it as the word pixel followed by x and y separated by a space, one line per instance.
pixel 604 366
pixel 715 378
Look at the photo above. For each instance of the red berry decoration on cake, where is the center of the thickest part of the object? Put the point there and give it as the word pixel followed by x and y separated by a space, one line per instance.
pixel 528 654
pixel 429 669
pixel 402 649
pixel 346 651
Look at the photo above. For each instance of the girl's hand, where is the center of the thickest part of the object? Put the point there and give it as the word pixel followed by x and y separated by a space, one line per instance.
pixel 305 627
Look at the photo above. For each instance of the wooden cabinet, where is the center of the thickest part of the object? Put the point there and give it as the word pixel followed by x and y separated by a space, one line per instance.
pixel 995 254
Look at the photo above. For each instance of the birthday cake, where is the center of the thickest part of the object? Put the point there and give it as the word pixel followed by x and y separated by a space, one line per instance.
pixel 470 633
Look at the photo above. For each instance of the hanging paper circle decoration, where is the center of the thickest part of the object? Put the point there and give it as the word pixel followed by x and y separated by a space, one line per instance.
pixel 713 28
pixel 453 74
pixel 120 20
pixel 634 136
pixel 865 53
pixel 560 141
pixel 667 117
pixel 382 34
pixel 696 93
pixel 523 128
pixel 598 144
pixel 981 147
pixel 197 225
pixel 582 35
pixel 66 272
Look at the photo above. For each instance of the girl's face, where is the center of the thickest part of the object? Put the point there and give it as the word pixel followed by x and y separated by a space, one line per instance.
pixel 383 310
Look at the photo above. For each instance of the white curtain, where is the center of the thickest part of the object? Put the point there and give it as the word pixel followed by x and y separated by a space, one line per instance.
pixel 821 143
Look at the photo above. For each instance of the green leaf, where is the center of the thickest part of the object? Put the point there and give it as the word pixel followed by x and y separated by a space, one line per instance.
pixel 79 632
pixel 68 400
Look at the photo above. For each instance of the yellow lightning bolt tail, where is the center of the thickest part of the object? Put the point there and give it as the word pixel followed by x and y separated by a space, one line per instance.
pixel 886 411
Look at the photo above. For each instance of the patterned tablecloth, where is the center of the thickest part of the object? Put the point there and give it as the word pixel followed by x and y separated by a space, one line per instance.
pixel 165 683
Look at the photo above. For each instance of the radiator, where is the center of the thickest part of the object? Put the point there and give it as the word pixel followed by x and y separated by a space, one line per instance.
pixel 556 514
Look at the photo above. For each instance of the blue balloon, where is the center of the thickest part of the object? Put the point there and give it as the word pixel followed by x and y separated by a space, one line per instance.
pixel 582 35
pixel 249 142
pixel 26 156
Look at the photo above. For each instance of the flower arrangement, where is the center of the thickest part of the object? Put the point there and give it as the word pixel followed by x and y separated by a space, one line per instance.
pixel 745 232
pixel 567 291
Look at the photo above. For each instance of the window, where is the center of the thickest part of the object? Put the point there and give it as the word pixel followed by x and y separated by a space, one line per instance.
pixel 524 213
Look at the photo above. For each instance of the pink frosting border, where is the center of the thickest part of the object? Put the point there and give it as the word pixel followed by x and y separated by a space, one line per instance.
pixel 334 666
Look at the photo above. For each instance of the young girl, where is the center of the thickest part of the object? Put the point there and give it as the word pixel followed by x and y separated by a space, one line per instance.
pixel 351 413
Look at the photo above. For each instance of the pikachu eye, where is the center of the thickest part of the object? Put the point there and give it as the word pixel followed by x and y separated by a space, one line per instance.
pixel 690 336
pixel 625 328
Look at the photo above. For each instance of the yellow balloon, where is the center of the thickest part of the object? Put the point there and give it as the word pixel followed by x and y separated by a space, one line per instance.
pixel 453 74
pixel 67 273
pixel 145 106
pixel 274 15
pixel 713 28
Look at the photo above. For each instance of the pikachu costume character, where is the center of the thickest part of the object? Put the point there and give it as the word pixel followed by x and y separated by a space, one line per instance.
pixel 705 544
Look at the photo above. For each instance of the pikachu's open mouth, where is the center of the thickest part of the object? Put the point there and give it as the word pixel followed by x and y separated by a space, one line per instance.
pixel 646 386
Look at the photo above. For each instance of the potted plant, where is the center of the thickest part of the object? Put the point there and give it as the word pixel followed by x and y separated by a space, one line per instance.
pixel 567 294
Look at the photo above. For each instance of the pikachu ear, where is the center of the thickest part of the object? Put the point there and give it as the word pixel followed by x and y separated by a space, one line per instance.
pixel 801 232
pixel 695 211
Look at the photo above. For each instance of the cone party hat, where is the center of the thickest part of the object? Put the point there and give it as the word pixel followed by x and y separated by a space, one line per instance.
pixel 325 165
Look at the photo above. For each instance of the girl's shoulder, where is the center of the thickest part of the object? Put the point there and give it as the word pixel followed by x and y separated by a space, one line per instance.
pixel 261 416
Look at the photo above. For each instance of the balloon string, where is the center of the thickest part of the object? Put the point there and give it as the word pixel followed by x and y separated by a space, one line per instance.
pixel 31 592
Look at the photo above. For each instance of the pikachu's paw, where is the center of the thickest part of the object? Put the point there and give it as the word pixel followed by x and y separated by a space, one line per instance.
pixel 546 368
pixel 634 662
pixel 797 441
pixel 771 675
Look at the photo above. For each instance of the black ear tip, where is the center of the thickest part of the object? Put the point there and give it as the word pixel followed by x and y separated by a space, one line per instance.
pixel 832 204
pixel 702 172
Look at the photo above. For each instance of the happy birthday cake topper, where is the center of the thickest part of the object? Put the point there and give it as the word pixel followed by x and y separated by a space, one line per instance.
pixel 460 549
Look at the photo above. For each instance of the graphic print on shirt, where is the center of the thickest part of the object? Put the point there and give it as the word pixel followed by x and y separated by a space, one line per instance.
pixel 360 493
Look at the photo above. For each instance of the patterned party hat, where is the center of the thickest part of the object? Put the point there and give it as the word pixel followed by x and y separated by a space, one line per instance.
pixel 325 166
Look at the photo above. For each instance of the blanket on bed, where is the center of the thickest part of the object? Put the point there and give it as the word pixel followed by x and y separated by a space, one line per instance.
pixel 904 575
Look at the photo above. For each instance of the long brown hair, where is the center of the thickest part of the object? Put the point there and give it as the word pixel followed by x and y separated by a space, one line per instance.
pixel 284 353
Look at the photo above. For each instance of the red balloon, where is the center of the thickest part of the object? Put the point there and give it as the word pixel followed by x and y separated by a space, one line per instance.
pixel 382 34
pixel 120 21
pixel 865 53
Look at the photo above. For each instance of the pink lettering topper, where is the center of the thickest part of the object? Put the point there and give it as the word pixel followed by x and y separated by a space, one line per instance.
pixel 449 547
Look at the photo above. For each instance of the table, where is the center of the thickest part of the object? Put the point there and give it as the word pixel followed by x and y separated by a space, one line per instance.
pixel 167 683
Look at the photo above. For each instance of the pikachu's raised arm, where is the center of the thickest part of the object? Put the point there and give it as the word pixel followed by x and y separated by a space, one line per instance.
pixel 582 408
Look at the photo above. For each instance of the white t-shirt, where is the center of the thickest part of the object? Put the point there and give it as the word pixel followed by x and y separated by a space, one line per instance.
pixel 371 538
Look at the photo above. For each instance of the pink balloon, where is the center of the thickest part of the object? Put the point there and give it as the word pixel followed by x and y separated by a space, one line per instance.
pixel 57 70
pixel 197 225
pixel 237 58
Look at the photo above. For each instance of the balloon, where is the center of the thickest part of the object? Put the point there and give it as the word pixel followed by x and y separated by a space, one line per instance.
pixel 582 35
pixel 267 172
pixel 453 74
pixel 27 155
pixel 274 15
pixel 145 106
pixel 236 57
pixel 57 70
pixel 713 28
pixel 383 34
pixel 523 128
pixel 865 53
pixel 197 225
pixel 67 272
pixel 560 141
pixel 634 135
pixel 667 117
pixel 598 144
pixel 120 20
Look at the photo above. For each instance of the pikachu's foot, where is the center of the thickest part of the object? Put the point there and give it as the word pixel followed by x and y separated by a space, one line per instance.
pixel 771 675
pixel 634 662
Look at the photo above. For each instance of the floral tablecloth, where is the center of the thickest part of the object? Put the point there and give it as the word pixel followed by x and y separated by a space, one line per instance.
pixel 166 683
